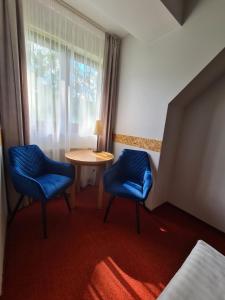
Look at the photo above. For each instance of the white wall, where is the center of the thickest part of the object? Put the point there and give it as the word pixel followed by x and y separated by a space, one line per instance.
pixel 133 16
pixel 3 215
pixel 153 74
pixel 198 184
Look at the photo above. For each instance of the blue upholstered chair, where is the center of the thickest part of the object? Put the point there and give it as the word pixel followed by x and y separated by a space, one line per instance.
pixel 35 175
pixel 129 177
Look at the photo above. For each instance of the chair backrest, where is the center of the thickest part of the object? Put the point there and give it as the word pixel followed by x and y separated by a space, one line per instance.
pixel 134 163
pixel 28 160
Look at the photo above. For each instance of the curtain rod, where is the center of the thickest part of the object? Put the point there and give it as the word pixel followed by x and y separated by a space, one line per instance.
pixel 78 13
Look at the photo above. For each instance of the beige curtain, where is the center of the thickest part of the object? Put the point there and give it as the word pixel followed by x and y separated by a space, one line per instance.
pixel 13 82
pixel 110 90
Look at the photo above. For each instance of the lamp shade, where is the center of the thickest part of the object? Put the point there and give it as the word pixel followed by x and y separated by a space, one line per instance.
pixel 98 127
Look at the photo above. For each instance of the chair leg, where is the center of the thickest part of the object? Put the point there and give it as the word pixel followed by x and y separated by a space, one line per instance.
pixel 67 201
pixel 15 209
pixel 108 207
pixel 137 217
pixel 44 219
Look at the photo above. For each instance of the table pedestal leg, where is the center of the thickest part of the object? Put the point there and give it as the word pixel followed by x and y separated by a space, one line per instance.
pixel 72 198
pixel 100 187
pixel 78 172
pixel 75 187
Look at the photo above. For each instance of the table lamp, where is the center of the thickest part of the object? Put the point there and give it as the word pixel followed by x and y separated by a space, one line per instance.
pixel 98 131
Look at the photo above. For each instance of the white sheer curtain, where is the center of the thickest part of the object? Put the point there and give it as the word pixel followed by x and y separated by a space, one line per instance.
pixel 64 58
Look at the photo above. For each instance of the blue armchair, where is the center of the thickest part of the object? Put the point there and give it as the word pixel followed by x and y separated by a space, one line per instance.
pixel 129 177
pixel 37 176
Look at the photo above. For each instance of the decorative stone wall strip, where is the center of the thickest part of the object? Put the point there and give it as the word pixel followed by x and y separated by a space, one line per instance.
pixel 149 144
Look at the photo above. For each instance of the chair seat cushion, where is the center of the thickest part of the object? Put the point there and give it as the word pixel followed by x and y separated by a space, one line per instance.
pixel 53 184
pixel 126 188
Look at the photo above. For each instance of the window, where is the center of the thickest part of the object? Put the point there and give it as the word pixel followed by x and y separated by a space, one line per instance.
pixel 64 63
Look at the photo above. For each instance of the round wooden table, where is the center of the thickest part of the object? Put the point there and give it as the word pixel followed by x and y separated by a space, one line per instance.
pixel 86 157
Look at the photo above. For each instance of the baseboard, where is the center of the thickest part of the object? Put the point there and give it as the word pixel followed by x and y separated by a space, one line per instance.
pixel 196 217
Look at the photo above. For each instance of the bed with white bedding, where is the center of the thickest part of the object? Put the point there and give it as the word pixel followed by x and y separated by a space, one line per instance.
pixel 201 277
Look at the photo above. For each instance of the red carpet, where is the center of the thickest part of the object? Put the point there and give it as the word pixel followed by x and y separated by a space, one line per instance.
pixel 86 259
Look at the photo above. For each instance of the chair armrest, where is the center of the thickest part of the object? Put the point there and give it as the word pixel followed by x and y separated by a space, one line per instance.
pixel 147 183
pixel 110 174
pixel 27 186
pixel 60 168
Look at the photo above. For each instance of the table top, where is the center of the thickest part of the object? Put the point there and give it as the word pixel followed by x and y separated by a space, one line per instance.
pixel 88 157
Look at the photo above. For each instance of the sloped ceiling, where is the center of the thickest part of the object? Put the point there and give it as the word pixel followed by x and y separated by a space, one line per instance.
pixel 147 20
pixel 181 9
pixel 176 7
